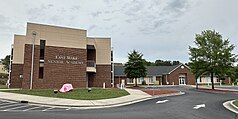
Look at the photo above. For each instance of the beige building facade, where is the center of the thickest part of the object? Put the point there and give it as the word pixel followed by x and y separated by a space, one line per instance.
pixel 61 55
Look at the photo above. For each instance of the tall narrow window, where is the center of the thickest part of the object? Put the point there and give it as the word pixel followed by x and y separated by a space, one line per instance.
pixel 42 49
pixel 112 55
pixel 42 56
pixel 41 72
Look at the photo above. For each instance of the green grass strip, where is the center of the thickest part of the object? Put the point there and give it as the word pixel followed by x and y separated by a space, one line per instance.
pixel 236 103
pixel 78 94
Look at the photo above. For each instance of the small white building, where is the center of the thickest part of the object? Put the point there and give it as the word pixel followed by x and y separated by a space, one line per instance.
pixel 207 80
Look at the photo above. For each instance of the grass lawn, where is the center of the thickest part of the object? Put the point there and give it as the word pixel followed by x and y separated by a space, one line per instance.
pixel 236 103
pixel 3 86
pixel 79 94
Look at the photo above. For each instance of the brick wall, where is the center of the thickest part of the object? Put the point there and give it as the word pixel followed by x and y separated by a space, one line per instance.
pixel 16 81
pixel 55 74
pixel 174 76
pixel 103 74
pixel 159 79
pixel 227 81
pixel 27 65
pixel 118 80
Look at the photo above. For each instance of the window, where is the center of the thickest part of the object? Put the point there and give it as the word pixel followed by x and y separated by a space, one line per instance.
pixel 141 79
pixel 208 79
pixel 42 49
pixel 42 56
pixel 151 80
pixel 111 55
pixel 41 72
pixel 130 80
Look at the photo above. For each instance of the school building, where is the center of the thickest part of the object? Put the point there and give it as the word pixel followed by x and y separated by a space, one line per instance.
pixel 159 75
pixel 60 55
pixel 167 75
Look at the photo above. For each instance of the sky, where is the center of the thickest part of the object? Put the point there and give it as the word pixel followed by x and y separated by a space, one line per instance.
pixel 159 29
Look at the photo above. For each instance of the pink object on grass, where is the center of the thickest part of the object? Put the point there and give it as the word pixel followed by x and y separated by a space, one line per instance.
pixel 66 88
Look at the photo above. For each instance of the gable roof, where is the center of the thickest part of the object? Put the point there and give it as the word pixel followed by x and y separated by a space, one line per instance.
pixel 178 67
pixel 151 70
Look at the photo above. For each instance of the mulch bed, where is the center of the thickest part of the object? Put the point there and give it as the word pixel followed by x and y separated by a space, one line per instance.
pixel 136 87
pixel 159 92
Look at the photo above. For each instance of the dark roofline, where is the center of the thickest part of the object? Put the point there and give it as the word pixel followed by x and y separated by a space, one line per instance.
pixel 151 70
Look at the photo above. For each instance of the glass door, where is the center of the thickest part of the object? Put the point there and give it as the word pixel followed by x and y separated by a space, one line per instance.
pixel 182 81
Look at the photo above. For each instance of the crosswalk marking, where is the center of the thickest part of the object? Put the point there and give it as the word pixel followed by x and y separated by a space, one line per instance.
pixel 10 105
pixel 48 109
pixel 31 108
pixel 20 107
pixel 4 103
pixel 15 107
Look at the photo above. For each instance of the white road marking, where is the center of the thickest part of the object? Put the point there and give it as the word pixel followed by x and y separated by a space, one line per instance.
pixel 15 107
pixel 10 105
pixel 199 106
pixel 67 109
pixel 4 103
pixel 31 108
pixel 48 109
pixel 161 101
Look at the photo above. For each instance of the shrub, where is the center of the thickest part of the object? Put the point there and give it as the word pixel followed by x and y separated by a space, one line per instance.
pixel 236 82
pixel 3 76
pixel 223 82
pixel 3 81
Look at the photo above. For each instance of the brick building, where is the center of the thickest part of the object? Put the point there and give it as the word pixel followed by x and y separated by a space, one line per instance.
pixel 160 75
pixel 61 55
pixel 167 75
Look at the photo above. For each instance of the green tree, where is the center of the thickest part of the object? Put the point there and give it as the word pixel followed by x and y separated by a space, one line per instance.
pixel 6 62
pixel 233 74
pixel 135 67
pixel 212 56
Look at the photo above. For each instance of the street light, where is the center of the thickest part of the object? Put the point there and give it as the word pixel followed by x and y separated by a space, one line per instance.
pixel 32 56
pixel 112 63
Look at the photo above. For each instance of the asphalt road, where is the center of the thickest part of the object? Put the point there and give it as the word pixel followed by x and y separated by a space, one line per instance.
pixel 176 107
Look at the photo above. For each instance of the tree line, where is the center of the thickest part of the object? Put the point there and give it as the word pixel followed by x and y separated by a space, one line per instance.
pixel 162 63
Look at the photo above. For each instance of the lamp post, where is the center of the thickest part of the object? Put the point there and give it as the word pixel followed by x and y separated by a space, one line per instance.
pixel 10 68
pixel 112 63
pixel 32 56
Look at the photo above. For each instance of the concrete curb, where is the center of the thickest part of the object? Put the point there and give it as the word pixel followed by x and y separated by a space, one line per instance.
pixel 230 106
pixel 231 103
pixel 99 106
pixel 114 105
pixel 10 89
pixel 92 106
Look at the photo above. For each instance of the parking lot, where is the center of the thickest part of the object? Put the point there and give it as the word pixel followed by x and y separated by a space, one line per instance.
pixel 9 106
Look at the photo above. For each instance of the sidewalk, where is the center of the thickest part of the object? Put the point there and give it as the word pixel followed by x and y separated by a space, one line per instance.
pixel 135 96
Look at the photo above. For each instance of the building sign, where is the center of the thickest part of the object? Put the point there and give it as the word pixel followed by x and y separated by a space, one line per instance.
pixel 59 59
